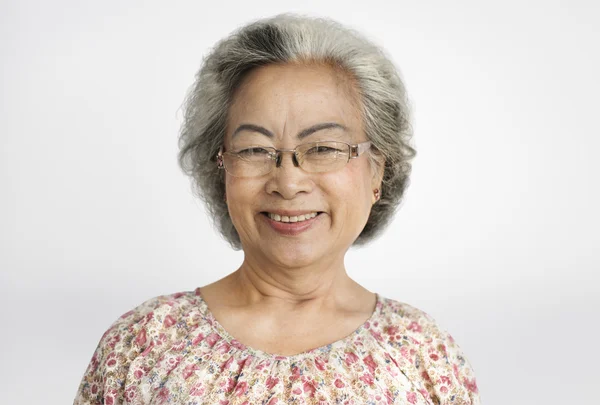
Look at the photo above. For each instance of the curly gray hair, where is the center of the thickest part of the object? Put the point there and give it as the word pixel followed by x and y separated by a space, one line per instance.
pixel 287 39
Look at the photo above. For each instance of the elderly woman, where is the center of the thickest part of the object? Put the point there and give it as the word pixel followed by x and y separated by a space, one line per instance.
pixel 296 135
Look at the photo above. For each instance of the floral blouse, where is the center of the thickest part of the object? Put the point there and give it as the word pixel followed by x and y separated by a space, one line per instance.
pixel 171 350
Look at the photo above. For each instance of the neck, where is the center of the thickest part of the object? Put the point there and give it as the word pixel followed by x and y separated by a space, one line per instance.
pixel 256 283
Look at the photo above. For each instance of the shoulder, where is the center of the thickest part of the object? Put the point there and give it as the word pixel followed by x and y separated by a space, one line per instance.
pixel 159 310
pixel 152 316
pixel 412 321
pixel 426 353
pixel 151 326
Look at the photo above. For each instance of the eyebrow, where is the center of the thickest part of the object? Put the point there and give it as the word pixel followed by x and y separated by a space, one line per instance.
pixel 303 134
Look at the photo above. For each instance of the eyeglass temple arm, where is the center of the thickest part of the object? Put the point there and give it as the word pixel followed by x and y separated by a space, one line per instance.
pixel 358 149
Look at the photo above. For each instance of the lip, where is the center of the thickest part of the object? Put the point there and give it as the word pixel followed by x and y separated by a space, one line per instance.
pixel 291 228
pixel 285 213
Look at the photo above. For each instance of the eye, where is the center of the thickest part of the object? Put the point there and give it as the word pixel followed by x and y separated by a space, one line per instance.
pixel 322 150
pixel 253 151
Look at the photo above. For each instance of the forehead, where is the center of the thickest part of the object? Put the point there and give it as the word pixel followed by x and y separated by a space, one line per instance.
pixel 289 98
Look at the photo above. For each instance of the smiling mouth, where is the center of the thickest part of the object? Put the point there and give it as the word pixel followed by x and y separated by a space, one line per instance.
pixel 291 219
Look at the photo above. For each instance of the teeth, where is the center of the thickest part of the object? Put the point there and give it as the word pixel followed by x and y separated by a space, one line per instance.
pixel 298 218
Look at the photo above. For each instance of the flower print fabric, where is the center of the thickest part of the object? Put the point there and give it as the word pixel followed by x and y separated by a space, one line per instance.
pixel 171 350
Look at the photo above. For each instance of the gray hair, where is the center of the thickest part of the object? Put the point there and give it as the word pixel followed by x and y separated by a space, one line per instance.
pixel 288 39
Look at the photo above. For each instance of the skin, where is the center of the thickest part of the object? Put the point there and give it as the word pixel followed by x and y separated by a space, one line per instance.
pixel 294 289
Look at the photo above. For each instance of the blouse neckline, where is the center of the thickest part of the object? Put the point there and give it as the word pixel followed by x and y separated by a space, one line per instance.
pixel 260 354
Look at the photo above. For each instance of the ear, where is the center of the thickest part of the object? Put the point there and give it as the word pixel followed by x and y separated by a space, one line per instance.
pixel 378 169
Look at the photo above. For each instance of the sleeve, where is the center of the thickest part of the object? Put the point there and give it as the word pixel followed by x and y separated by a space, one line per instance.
pixel 104 379
pixel 448 374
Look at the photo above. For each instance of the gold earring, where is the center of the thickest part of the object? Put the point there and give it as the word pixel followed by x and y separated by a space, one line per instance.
pixel 377 194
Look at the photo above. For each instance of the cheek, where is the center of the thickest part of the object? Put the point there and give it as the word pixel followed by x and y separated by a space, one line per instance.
pixel 361 181
pixel 240 195
pixel 351 190
pixel 238 189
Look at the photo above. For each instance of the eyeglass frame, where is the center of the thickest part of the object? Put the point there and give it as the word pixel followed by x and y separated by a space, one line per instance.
pixel 355 151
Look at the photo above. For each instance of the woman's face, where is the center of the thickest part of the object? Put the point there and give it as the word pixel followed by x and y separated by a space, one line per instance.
pixel 285 100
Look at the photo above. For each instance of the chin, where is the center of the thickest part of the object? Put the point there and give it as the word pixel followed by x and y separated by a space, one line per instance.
pixel 294 254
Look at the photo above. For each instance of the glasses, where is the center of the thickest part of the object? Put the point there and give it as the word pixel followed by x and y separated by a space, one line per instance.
pixel 313 157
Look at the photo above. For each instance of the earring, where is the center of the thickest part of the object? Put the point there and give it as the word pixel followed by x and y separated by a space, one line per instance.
pixel 377 194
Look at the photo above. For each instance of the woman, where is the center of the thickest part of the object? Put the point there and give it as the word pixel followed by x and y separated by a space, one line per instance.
pixel 296 134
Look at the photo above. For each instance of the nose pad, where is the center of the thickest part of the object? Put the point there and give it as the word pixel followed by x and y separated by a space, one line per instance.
pixel 294 160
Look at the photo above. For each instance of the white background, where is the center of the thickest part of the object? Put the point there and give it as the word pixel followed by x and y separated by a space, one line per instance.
pixel 497 238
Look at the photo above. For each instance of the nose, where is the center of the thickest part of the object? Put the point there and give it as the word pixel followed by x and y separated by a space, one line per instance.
pixel 287 178
pixel 280 157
